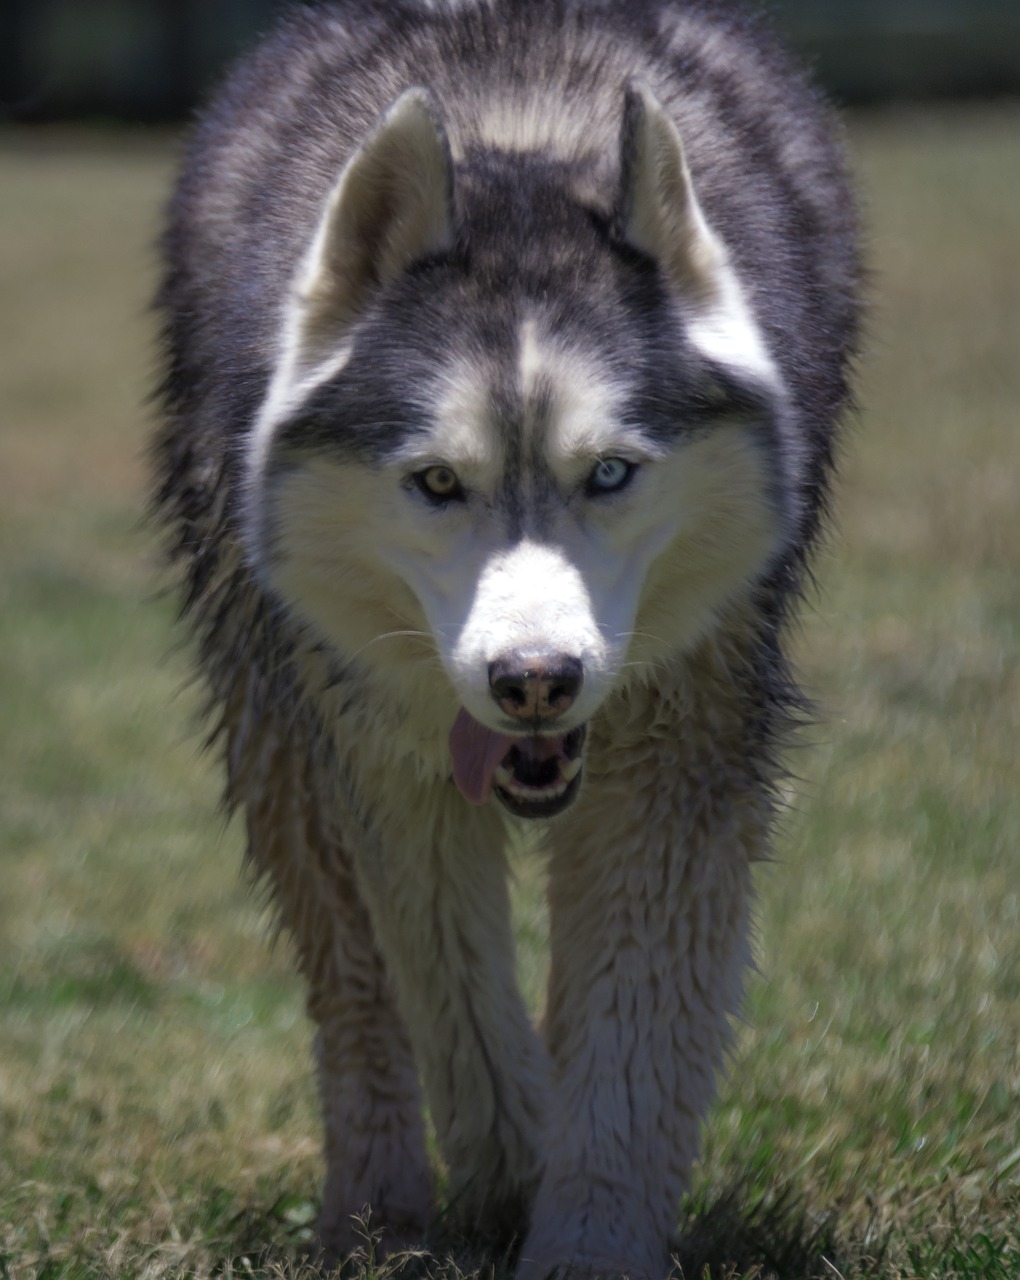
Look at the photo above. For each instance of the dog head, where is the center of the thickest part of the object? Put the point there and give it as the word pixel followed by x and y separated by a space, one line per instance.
pixel 534 434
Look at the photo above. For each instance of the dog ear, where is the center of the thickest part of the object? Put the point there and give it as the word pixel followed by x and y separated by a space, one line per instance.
pixel 658 213
pixel 392 205
pixel 657 209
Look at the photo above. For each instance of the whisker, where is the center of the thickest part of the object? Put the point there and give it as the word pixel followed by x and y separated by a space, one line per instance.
pixel 639 635
pixel 645 662
pixel 407 634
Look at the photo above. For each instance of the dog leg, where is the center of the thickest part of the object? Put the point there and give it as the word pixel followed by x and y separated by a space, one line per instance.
pixel 438 896
pixel 377 1168
pixel 648 897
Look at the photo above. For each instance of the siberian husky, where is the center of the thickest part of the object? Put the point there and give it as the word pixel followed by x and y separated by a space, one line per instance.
pixel 505 343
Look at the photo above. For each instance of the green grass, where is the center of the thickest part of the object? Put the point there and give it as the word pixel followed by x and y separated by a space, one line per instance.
pixel 157 1113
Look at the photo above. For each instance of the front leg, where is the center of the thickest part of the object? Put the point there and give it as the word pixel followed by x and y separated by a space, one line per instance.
pixel 649 921
pixel 436 886
pixel 376 1159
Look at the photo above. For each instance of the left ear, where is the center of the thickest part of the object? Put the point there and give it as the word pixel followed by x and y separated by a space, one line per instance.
pixel 657 208
pixel 392 205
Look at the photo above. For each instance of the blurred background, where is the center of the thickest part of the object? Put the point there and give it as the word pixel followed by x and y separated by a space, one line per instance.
pixel 150 59
pixel 157 1107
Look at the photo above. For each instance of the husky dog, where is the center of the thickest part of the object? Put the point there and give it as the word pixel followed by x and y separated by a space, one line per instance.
pixel 505 342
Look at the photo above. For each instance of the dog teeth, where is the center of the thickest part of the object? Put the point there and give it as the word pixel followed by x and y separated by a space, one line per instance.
pixel 504 778
pixel 533 793
pixel 569 769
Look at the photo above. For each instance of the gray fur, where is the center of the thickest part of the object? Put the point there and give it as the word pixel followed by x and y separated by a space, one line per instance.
pixel 538 111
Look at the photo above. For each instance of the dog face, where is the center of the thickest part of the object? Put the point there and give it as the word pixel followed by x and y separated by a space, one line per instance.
pixel 547 465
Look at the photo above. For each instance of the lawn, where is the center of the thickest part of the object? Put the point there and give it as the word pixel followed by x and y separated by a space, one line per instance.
pixel 157 1111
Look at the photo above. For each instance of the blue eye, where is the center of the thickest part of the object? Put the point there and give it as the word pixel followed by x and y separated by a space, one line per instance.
pixel 609 475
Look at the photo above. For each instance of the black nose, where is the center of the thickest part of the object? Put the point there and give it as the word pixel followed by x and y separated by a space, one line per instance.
pixel 535 687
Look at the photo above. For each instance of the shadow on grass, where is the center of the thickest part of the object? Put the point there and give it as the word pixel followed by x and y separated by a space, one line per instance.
pixel 730 1236
pixel 738 1235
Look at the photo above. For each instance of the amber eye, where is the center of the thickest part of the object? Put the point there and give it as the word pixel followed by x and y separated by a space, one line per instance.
pixel 439 484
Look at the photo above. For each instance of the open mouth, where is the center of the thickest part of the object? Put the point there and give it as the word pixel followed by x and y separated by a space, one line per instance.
pixel 539 777
pixel 534 776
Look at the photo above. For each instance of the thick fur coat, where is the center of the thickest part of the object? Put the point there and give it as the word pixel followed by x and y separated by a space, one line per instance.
pixel 505 342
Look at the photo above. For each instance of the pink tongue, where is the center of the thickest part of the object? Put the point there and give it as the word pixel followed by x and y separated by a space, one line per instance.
pixel 476 753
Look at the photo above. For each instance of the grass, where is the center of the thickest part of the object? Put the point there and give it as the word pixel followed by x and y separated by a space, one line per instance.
pixel 157 1114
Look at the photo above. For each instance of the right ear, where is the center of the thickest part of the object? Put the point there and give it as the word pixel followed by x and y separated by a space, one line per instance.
pixel 659 213
pixel 657 206
pixel 392 205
